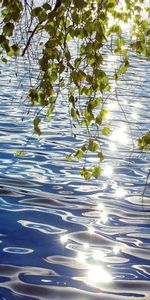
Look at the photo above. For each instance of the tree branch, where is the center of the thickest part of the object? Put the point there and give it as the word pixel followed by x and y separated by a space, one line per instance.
pixel 57 5
pixel 30 38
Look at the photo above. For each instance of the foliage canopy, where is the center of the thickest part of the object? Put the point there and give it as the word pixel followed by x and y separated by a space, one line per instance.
pixel 95 30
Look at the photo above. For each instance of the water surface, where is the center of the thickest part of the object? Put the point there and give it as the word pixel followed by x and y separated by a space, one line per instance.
pixel 62 237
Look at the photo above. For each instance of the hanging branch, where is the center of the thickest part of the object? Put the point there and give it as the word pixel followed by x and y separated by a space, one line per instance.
pixel 30 38
pixel 57 5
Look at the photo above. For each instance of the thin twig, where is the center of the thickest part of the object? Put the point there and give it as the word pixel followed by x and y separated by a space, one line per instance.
pixel 30 38
pixel 57 5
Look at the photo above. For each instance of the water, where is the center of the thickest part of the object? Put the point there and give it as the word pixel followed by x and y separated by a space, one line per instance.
pixel 62 237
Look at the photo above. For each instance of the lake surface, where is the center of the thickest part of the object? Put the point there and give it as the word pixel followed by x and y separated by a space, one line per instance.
pixel 62 237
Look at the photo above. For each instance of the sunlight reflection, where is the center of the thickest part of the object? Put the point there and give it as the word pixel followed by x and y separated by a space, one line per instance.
pixel 144 14
pixel 137 104
pixel 86 245
pixel 113 105
pixel 134 116
pixel 120 192
pixel 121 5
pixel 112 147
pixel 113 85
pixel 81 257
pixel 64 238
pixel 100 206
pixel 125 102
pixel 104 217
pixel 105 185
pixel 124 26
pixel 108 116
pixel 116 249
pixel 107 171
pixel 111 20
pixel 112 58
pixel 91 230
pixel 98 274
pixel 114 184
pixel 119 135
pixel 98 255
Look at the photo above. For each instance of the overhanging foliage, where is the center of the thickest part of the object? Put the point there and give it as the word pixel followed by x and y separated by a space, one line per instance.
pixel 92 27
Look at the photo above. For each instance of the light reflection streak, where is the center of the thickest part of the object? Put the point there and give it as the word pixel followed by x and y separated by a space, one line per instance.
pixel 104 217
pixel 98 255
pixel 120 192
pixel 97 274
pixel 113 105
pixel 112 58
pixel 120 135
pixel 137 105
pixel 64 238
pixel 100 206
pixel 116 249
pixel 107 171
pixel 134 116
pixel 81 257
pixel 86 245
pixel 91 230
pixel 112 147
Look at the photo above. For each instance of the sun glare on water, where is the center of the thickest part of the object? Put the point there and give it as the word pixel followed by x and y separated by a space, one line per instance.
pixel 96 274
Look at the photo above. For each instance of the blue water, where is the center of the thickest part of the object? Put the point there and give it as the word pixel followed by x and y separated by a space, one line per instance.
pixel 62 237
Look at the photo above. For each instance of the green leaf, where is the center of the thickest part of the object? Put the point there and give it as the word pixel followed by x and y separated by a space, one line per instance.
pixel 85 173
pixel 106 130
pixel 100 156
pixel 93 145
pixel 101 116
pixel 20 153
pixel 97 172
pixel 4 60
pixel 69 157
pixel 144 141
pixel 8 29
pixel 73 113
pixel 36 125
pixel 79 154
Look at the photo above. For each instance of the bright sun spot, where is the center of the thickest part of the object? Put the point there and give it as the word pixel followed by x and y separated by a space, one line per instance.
pixel 119 135
pixel 86 245
pixel 97 274
pixel 64 238
pixel 120 192
pixel 107 171
pixel 112 147
pixel 137 104
pixel 134 116
pixel 113 105
pixel 100 206
pixel 98 255
pixel 112 58
pixel 91 230
pixel 81 257
pixel 116 249
pixel 104 217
